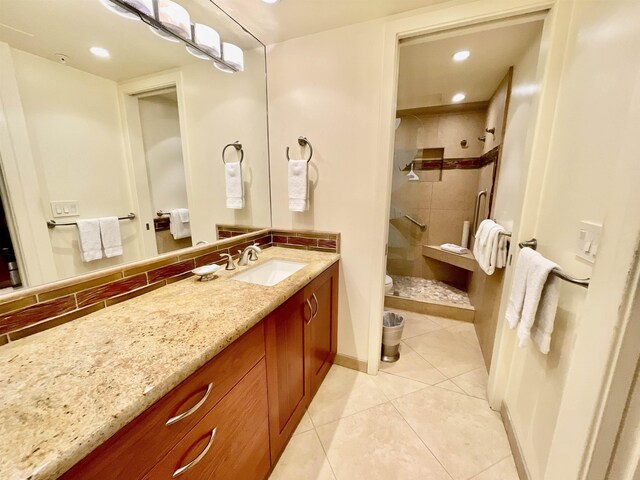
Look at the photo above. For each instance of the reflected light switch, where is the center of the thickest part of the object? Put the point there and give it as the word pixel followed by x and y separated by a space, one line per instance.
pixel 588 241
pixel 64 208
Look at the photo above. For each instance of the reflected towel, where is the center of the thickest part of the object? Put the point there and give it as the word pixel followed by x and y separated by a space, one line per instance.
pixel 233 184
pixel 110 235
pixel 298 185
pixel 89 239
pixel 453 248
pixel 490 248
pixel 177 227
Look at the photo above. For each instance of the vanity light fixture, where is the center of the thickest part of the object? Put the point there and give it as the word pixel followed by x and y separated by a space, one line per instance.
pixel 118 10
pixel 172 22
pixel 458 97
pixel 100 52
pixel 461 56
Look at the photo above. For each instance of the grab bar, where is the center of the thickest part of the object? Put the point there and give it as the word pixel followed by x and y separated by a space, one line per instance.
pixel 476 212
pixel 583 282
pixel 54 224
pixel 415 222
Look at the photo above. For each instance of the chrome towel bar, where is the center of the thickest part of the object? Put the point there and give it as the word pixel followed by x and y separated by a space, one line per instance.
pixel 583 282
pixel 303 142
pixel 415 222
pixel 54 224
pixel 238 146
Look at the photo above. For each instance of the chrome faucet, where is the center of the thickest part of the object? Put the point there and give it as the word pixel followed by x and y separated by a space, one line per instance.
pixel 230 264
pixel 249 253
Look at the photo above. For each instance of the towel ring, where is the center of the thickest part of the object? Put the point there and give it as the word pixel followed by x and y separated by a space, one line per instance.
pixel 303 142
pixel 238 146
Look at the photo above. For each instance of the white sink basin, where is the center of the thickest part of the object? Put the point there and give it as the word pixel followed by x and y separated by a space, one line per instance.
pixel 270 273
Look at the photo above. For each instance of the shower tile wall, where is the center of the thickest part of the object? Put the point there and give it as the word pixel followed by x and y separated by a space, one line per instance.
pixel 443 201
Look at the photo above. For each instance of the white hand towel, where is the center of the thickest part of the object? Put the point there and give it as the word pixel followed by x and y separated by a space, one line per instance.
pixel 110 235
pixel 177 227
pixel 234 186
pixel 184 215
pixel 298 185
pixel 489 249
pixel 534 300
pixel 453 248
pixel 89 239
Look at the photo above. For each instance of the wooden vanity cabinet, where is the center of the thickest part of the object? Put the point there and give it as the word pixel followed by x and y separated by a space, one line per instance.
pixel 301 339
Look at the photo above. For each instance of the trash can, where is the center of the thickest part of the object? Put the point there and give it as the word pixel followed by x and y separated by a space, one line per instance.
pixel 392 325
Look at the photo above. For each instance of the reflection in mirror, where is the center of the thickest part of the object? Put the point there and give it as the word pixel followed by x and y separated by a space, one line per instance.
pixel 125 113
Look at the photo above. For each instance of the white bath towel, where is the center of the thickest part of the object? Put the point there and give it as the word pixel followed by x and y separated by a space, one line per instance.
pixel 298 185
pixel 490 248
pixel 89 239
pixel 453 248
pixel 534 299
pixel 178 228
pixel 234 186
pixel 110 235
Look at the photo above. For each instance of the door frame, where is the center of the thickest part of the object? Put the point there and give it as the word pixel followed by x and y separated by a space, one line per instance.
pixel 135 152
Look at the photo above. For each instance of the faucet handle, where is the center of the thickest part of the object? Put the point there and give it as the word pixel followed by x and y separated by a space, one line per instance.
pixel 230 264
pixel 253 254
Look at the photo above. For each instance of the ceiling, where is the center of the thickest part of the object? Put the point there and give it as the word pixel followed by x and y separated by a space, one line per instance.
pixel 295 18
pixel 70 27
pixel 428 76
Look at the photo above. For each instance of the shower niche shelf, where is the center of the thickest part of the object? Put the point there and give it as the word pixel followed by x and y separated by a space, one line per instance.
pixel 466 261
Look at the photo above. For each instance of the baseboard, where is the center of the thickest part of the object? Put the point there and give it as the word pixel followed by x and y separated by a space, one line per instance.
pixel 438 309
pixel 516 450
pixel 350 362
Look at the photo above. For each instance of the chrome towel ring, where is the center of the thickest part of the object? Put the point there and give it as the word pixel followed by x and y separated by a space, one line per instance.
pixel 238 146
pixel 303 142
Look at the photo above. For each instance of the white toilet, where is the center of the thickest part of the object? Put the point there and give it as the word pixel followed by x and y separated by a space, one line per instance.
pixel 388 285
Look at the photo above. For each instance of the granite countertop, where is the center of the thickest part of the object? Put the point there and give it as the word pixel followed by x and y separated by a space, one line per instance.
pixel 64 391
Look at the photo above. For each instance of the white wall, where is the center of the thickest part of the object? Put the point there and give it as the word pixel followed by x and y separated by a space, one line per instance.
pixel 328 92
pixel 75 132
pixel 163 149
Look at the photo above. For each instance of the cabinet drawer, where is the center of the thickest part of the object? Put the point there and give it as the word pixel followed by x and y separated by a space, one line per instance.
pixel 230 442
pixel 141 444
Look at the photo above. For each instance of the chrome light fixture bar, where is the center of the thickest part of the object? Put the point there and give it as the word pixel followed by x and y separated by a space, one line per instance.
pixel 154 23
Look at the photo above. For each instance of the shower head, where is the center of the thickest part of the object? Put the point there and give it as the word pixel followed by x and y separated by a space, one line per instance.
pixel 483 138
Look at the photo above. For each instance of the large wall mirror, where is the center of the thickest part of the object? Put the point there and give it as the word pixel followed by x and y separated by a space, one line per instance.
pixel 122 108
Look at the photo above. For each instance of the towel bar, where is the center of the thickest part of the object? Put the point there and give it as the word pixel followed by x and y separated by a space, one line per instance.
pixel 583 282
pixel 54 224
pixel 302 141
pixel 238 146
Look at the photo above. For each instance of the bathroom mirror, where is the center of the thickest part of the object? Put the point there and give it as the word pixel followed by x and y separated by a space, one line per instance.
pixel 122 108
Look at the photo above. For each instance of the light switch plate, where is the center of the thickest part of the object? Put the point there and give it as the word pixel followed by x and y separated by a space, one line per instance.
pixel 64 208
pixel 588 241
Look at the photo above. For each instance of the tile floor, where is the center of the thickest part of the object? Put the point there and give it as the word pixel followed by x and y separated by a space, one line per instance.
pixel 425 290
pixel 423 417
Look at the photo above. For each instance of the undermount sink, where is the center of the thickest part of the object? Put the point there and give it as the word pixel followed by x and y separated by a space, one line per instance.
pixel 270 273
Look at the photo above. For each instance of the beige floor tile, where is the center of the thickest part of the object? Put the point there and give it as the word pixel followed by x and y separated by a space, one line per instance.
pixel 447 352
pixel 303 458
pixel 414 367
pixel 465 332
pixel 503 470
pixel 344 392
pixel 473 383
pixel 415 323
pixel 394 386
pixel 448 322
pixel 378 444
pixel 464 434
pixel 449 385
pixel 305 424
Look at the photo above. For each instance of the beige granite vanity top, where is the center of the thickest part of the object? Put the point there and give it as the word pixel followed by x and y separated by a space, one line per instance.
pixel 65 391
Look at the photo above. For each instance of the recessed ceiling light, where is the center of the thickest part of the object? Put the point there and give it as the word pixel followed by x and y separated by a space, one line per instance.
pixel 100 52
pixel 461 56
pixel 270 2
pixel 458 97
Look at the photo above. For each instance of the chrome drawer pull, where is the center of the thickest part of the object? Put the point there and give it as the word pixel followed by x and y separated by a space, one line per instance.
pixel 310 312
pixel 317 306
pixel 192 410
pixel 193 462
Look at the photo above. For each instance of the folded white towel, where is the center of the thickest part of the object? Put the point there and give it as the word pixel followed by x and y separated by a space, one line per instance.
pixel 110 235
pixel 490 248
pixel 234 186
pixel 89 239
pixel 534 299
pixel 453 248
pixel 184 214
pixel 177 227
pixel 298 185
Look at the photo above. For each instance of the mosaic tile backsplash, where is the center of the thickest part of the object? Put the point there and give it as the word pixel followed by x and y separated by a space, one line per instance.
pixel 36 309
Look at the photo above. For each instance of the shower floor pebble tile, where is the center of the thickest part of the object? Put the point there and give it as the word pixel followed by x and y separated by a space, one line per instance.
pixel 413 420
pixel 426 290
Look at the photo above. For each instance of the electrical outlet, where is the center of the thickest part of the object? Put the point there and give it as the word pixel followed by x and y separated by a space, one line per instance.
pixel 64 208
pixel 588 241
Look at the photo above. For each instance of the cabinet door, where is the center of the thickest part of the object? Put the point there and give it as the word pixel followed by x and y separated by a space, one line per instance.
pixel 286 333
pixel 230 442
pixel 323 326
